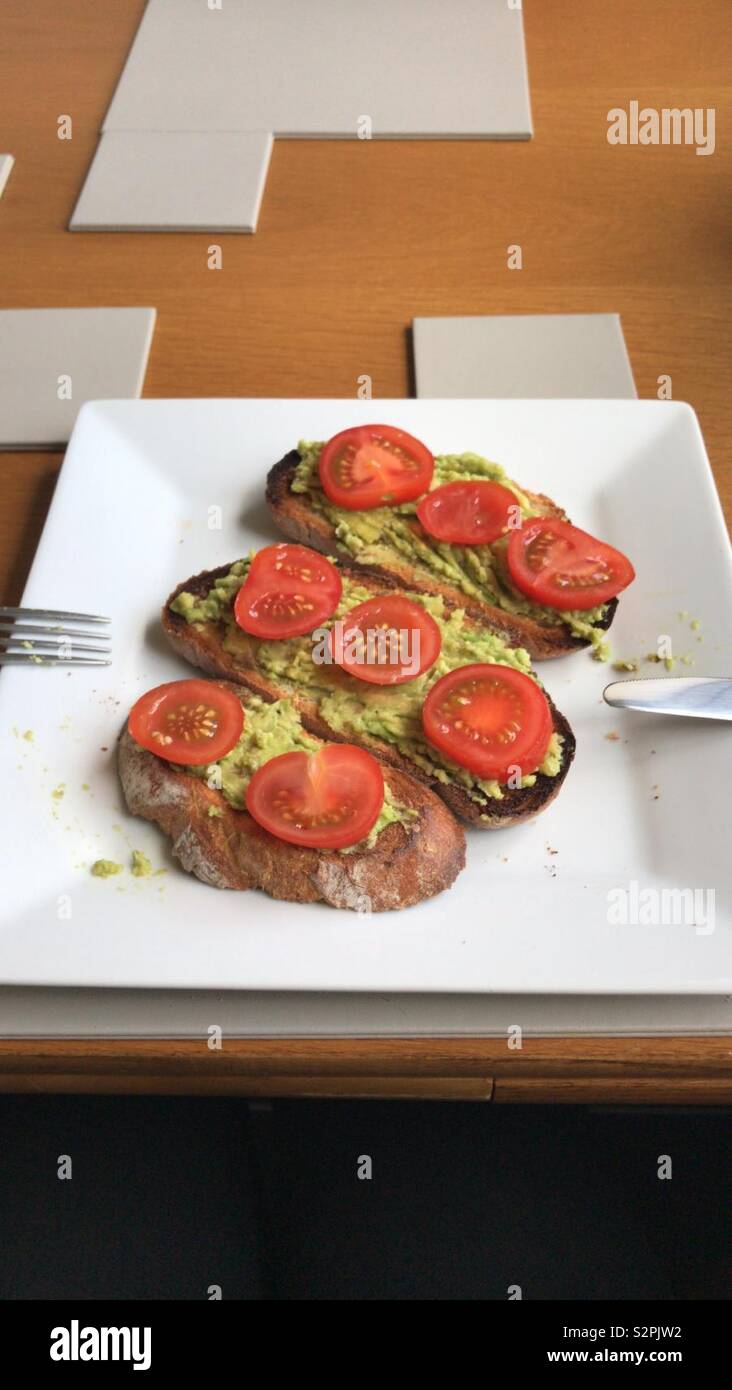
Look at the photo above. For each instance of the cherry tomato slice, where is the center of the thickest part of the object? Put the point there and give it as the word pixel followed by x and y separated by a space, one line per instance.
pixel 489 719
pixel 386 641
pixel 558 565
pixel 468 513
pixel 374 466
pixel 190 722
pixel 325 800
pixel 288 591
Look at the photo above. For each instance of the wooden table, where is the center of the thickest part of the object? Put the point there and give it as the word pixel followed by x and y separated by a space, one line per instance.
pixel 356 238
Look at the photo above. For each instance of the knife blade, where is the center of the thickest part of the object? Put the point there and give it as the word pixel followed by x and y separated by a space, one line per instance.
pixel 697 697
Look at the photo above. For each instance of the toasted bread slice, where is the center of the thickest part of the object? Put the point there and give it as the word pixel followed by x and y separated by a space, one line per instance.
pixel 202 644
pixel 301 522
pixel 407 864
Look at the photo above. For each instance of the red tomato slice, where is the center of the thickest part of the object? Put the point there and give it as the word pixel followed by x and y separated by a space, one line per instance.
pixel 467 513
pixel 386 641
pixel 489 719
pixel 288 591
pixel 325 800
pixel 191 722
pixel 374 466
pixel 560 566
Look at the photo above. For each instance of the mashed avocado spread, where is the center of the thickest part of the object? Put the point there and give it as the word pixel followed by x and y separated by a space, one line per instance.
pixel 478 570
pixel 141 866
pixel 105 868
pixel 353 707
pixel 271 729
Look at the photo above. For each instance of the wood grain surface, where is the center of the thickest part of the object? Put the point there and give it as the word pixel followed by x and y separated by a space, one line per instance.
pixel 562 1070
pixel 356 238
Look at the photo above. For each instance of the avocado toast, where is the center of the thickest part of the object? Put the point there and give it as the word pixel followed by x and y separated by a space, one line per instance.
pixel 389 541
pixel 414 850
pixel 198 619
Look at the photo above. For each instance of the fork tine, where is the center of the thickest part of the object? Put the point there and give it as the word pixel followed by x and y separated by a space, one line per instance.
pixel 28 659
pixel 12 629
pixel 52 615
pixel 51 646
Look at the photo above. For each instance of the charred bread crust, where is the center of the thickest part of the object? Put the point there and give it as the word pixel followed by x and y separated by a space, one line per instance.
pixel 300 523
pixel 230 850
pixel 201 645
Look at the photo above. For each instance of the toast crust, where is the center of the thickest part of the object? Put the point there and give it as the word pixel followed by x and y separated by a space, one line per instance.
pixel 230 850
pixel 299 522
pixel 202 646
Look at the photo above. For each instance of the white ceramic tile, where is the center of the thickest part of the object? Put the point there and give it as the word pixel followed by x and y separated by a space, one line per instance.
pixel 415 67
pixel 6 163
pixel 522 355
pixel 96 354
pixel 72 1013
pixel 156 181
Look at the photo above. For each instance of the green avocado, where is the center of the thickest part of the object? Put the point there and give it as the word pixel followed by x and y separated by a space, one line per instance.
pixel 478 570
pixel 353 707
pixel 271 729
pixel 141 866
pixel 105 868
pixel 210 609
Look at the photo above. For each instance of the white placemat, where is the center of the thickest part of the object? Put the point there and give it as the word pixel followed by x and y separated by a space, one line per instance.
pixel 522 355
pixel 415 68
pixel 6 164
pixel 211 76
pixel 54 360
pixel 162 181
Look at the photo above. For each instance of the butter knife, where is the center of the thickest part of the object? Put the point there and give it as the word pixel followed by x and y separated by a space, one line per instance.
pixel 700 697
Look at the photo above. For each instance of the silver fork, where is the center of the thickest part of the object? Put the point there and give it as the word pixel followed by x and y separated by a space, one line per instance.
pixel 45 637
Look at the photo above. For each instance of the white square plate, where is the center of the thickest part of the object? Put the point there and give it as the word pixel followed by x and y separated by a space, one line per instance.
pixel 130 519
